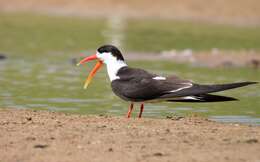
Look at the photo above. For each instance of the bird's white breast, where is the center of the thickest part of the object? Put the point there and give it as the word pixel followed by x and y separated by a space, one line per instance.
pixel 113 67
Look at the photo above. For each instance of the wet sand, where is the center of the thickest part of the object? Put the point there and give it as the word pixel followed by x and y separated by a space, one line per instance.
pixel 28 136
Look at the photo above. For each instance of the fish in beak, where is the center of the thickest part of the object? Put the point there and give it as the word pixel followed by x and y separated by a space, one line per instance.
pixel 94 70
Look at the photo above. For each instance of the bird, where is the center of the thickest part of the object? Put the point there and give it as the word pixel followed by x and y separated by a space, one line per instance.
pixel 136 85
pixel 2 56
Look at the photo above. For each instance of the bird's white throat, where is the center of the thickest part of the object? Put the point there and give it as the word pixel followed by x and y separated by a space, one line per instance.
pixel 112 68
pixel 112 63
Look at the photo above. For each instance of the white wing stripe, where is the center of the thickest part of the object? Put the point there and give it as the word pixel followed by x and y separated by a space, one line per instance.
pixel 191 98
pixel 176 90
pixel 159 78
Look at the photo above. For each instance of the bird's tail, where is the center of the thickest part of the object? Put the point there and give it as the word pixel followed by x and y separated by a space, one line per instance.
pixel 197 89
pixel 203 98
pixel 222 87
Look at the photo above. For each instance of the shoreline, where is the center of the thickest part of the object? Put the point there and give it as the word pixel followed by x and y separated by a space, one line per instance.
pixel 28 135
pixel 220 12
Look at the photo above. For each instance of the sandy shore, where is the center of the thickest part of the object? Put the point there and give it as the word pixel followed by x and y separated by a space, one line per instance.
pixel 50 136
pixel 241 12
pixel 207 59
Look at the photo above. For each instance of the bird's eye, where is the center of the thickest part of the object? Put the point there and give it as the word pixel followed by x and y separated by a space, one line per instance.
pixel 101 52
pixel 105 51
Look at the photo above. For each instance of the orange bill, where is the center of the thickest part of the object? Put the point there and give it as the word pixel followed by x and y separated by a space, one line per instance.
pixel 94 70
pixel 92 73
pixel 89 58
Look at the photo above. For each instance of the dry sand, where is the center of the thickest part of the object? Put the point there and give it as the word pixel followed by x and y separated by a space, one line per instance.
pixel 29 136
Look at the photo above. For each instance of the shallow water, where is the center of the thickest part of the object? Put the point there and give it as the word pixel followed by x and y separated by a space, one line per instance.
pixel 57 84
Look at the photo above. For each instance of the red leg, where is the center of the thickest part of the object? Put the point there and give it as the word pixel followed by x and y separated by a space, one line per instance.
pixel 141 110
pixel 130 110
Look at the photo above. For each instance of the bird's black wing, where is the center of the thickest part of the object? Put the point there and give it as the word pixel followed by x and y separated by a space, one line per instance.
pixel 140 85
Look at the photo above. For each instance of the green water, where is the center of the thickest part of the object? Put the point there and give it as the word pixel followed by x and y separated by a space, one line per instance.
pixel 35 34
pixel 39 73
pixel 55 83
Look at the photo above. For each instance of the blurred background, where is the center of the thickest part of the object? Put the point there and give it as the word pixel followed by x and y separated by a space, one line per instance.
pixel 208 41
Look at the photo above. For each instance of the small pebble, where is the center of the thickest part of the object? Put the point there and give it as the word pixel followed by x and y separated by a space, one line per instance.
pixel 251 141
pixel 167 130
pixel 31 138
pixel 28 118
pixel 158 154
pixel 174 117
pixel 40 146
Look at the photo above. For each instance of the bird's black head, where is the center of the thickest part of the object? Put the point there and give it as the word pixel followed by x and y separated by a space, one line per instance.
pixel 111 49
pixel 108 55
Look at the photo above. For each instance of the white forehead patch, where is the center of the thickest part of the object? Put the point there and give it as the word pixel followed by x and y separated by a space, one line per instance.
pixel 105 56
pixel 159 78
